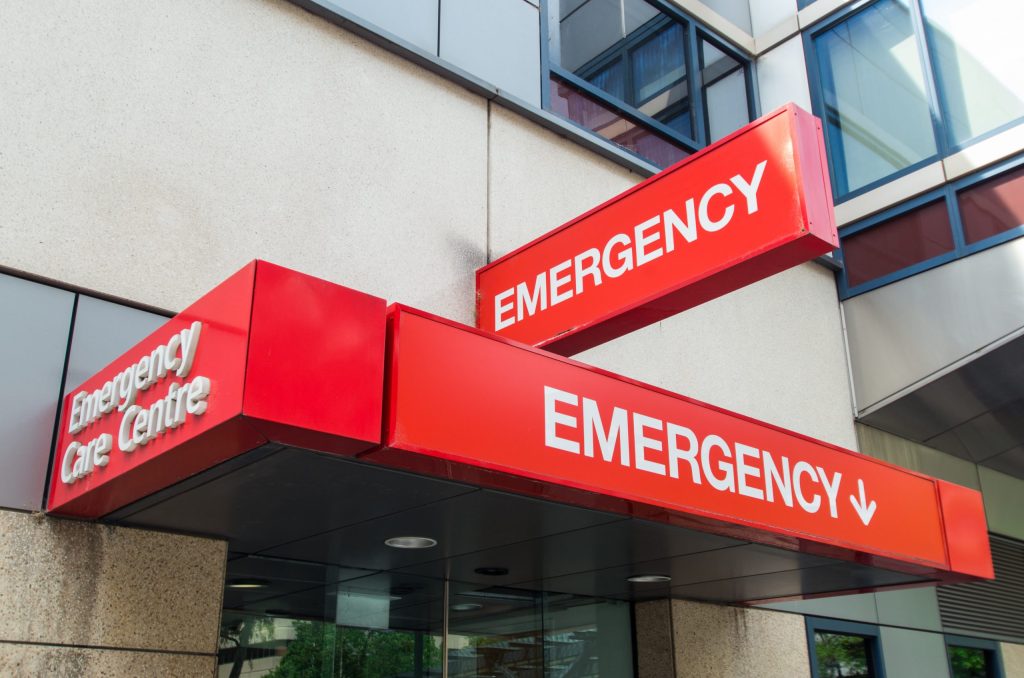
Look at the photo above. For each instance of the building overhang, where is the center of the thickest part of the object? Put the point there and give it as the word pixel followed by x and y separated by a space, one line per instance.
pixel 305 423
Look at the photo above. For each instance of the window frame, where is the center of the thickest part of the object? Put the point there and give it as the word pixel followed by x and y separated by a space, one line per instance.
pixel 694 32
pixel 948 192
pixel 990 646
pixel 935 96
pixel 815 80
pixel 843 627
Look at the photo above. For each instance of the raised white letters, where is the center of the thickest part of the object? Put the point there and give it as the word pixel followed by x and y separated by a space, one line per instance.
pixel 646 242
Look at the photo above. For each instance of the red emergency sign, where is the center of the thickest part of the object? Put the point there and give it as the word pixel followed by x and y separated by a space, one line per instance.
pixel 468 405
pixel 755 203
pixel 269 354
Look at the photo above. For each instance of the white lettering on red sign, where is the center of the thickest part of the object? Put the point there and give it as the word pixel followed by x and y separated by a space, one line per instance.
pixel 574 424
pixel 623 252
pixel 139 425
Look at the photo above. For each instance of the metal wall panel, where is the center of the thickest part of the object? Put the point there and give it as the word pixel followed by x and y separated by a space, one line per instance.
pixel 913 654
pixel 103 331
pixel 497 41
pixel 990 609
pixel 906 332
pixel 414 21
pixel 34 324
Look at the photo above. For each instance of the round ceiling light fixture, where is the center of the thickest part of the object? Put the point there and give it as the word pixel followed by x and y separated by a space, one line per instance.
pixel 411 542
pixel 649 579
pixel 248 583
pixel 466 607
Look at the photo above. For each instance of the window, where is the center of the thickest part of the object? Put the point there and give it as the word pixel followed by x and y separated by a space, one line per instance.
pixel 841 649
pixel 644 76
pixel 900 83
pixel 973 658
pixel 972 214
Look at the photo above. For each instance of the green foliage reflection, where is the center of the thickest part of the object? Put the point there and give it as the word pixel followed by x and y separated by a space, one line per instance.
pixel 968 662
pixel 842 656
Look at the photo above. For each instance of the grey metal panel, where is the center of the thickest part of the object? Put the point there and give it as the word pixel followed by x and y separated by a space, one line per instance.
pixel 34 324
pixel 498 41
pixel 975 412
pixel 737 12
pixel 913 654
pixel 991 609
pixel 909 331
pixel 912 608
pixel 857 607
pixel 103 331
pixel 414 21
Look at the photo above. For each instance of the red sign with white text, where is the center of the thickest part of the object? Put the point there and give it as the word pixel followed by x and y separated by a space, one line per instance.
pixel 750 205
pixel 474 407
pixel 268 355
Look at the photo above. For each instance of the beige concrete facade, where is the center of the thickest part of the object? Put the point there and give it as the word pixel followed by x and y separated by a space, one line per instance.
pixel 1013 660
pixel 88 599
pixel 220 132
pixel 684 639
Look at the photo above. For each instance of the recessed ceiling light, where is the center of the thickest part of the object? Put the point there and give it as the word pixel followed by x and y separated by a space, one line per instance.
pixel 248 583
pixel 411 542
pixel 649 579
pixel 466 607
pixel 492 571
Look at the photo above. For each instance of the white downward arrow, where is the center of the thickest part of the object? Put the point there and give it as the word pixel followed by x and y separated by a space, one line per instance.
pixel 864 508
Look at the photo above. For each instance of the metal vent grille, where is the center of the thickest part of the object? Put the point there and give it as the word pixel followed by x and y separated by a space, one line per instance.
pixel 992 609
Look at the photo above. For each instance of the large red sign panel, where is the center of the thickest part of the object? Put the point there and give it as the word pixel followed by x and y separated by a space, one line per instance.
pixel 751 205
pixel 269 354
pixel 494 411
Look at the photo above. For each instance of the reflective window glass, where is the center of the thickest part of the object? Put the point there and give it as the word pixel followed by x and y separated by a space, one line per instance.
pixel 876 109
pixel 588 112
pixel 843 655
pixel 724 82
pixel 628 49
pixel 971 662
pixel 993 206
pixel 905 240
pixel 979 73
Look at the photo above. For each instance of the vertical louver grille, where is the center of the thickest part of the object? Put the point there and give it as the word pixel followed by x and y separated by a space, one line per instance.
pixel 992 609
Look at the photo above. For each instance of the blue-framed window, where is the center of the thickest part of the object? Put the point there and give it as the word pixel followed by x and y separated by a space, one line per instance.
pixel 901 83
pixel 842 649
pixel 973 657
pixel 963 217
pixel 643 75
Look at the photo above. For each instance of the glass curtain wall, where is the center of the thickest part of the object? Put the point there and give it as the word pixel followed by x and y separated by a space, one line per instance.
pixel 379 626
pixel 642 78
pixel 903 82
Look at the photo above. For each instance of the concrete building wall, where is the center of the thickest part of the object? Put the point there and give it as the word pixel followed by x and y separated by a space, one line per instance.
pixel 219 132
pixel 81 599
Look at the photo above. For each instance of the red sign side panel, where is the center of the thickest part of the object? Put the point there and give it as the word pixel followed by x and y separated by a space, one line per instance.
pixel 750 205
pixel 315 374
pixel 963 513
pixel 197 442
pixel 465 399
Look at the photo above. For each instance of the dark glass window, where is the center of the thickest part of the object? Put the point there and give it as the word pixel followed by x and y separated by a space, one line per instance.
pixel 980 77
pixel 876 109
pixel 725 91
pixel 587 111
pixel 993 206
pixel 910 238
pixel 844 655
pixel 634 61
pixel 971 662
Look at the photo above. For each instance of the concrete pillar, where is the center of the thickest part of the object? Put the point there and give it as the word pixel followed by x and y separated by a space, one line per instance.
pixel 1013 660
pixel 83 599
pixel 683 639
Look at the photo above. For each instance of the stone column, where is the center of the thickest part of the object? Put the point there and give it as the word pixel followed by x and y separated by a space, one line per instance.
pixel 84 599
pixel 683 639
